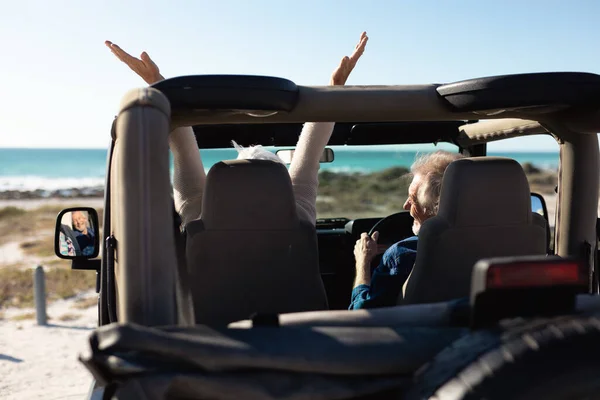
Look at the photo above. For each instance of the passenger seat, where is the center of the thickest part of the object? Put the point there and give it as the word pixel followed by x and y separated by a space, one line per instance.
pixel 249 253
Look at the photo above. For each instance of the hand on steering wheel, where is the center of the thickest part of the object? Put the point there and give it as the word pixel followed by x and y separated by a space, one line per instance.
pixel 366 249
pixel 391 229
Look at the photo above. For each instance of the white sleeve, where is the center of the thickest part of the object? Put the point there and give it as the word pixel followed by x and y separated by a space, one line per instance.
pixel 305 166
pixel 189 175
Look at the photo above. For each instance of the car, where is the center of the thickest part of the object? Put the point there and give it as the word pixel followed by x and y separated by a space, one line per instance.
pixel 240 305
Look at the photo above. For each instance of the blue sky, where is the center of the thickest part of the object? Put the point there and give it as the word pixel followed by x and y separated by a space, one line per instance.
pixel 61 85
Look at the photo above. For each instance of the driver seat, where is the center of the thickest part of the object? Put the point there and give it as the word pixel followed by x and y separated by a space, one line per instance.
pixel 249 252
pixel 484 211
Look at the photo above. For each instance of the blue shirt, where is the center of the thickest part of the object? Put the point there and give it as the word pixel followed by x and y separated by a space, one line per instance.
pixel 86 242
pixel 388 277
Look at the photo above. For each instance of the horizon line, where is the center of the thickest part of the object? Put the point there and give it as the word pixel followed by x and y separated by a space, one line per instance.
pixel 224 148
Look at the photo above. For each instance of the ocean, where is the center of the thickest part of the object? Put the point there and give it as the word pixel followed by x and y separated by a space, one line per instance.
pixel 61 169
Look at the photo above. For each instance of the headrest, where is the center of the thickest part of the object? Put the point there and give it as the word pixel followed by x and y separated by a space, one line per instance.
pixel 483 191
pixel 249 195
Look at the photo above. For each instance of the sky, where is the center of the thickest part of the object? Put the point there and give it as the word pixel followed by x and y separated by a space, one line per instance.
pixel 62 87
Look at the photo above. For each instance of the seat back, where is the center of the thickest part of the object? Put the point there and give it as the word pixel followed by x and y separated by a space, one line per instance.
pixel 249 253
pixel 484 211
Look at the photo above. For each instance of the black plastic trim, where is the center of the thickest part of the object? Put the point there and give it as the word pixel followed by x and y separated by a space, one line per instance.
pixel 229 92
pixel 111 246
pixel 104 315
pixel 346 133
pixel 87 265
pixel 563 89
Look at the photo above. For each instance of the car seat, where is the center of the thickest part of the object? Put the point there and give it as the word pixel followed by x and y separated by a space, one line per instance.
pixel 484 212
pixel 249 252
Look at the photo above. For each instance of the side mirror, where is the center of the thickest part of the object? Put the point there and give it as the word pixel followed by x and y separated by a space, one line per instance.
pixel 76 234
pixel 287 155
pixel 538 205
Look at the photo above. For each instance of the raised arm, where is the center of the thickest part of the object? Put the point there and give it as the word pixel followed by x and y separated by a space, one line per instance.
pixel 314 137
pixel 189 175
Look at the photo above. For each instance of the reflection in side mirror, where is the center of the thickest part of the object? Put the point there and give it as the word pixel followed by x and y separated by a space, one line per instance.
pixel 538 205
pixel 76 234
pixel 286 155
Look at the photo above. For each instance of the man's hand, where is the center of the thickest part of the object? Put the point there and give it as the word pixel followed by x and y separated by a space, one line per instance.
pixel 143 66
pixel 342 72
pixel 366 249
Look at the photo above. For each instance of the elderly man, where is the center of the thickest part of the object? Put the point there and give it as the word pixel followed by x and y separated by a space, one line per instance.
pixel 381 289
pixel 84 234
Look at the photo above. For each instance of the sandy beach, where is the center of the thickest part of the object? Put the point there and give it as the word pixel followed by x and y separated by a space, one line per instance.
pixel 40 362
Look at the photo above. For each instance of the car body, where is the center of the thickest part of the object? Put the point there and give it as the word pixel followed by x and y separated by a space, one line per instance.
pixel 145 342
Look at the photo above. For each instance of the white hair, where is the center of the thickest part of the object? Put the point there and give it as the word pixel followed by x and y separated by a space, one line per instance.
pixel 431 167
pixel 255 153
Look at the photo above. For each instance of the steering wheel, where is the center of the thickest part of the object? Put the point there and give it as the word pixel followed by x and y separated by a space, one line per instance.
pixel 392 229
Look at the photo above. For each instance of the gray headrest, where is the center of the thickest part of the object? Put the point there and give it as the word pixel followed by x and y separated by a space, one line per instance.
pixel 483 191
pixel 249 195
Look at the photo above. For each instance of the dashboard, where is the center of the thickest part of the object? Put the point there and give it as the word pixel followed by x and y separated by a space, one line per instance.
pixel 336 238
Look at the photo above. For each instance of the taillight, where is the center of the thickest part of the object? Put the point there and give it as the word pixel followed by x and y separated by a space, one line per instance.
pixel 535 274
pixel 525 287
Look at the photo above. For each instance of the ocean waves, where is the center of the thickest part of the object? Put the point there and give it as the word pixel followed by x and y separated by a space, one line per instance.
pixel 32 187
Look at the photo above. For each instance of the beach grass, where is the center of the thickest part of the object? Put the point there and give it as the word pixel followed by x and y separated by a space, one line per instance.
pixel 24 317
pixel 16 285
pixel 11 211
pixel 68 317
pixel 39 247
pixel 85 303
pixel 17 223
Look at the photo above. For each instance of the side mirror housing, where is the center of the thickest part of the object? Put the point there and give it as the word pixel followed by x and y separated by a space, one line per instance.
pixel 76 235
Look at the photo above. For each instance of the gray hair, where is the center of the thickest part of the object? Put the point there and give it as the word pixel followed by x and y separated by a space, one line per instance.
pixel 255 153
pixel 431 167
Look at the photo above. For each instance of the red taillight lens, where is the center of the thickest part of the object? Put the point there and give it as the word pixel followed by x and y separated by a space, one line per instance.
pixel 535 275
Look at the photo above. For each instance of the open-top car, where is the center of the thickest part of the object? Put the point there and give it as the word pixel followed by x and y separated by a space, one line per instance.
pixel 247 302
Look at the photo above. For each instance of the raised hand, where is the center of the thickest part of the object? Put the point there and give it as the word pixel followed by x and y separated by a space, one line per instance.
pixel 143 66
pixel 342 72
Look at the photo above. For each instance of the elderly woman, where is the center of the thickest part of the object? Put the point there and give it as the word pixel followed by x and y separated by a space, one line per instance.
pixel 189 173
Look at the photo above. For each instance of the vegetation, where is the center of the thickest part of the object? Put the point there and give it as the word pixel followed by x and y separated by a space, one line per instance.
pixel 8 212
pixel 16 285
pixel 384 192
pixel 40 247
pixel 85 303
pixel 68 317
pixel 346 194
pixel 24 317
pixel 18 223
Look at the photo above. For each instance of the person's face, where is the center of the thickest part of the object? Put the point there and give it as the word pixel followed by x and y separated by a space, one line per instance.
pixel 412 205
pixel 79 221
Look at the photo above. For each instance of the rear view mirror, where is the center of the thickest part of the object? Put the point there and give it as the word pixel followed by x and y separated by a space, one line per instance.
pixel 538 205
pixel 76 234
pixel 287 155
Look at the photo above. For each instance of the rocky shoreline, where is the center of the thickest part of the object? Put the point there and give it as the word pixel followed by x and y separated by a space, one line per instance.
pixel 95 192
